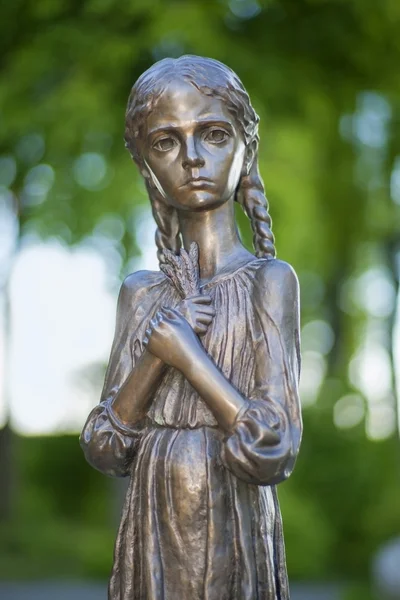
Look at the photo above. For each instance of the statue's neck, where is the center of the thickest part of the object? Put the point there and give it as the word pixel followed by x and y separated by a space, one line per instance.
pixel 216 234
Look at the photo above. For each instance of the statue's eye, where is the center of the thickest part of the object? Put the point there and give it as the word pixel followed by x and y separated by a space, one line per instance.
pixel 216 136
pixel 164 144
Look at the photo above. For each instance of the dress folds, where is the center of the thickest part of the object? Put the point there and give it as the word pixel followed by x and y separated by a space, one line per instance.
pixel 201 518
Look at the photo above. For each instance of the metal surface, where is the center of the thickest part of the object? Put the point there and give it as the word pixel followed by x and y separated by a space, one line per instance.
pixel 200 404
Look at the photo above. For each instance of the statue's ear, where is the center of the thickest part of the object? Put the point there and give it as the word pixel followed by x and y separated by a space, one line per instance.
pixel 249 156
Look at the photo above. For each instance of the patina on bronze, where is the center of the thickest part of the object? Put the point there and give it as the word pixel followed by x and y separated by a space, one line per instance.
pixel 200 404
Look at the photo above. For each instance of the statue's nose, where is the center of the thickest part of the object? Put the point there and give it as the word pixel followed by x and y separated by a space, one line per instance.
pixel 192 157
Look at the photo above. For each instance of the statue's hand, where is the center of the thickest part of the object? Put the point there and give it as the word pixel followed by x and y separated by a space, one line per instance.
pixel 197 312
pixel 170 338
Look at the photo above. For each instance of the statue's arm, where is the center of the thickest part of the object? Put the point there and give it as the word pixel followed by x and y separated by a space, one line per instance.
pixel 134 397
pixel 112 429
pixel 265 440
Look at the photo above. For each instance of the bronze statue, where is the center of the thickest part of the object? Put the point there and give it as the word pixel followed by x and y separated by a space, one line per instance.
pixel 200 403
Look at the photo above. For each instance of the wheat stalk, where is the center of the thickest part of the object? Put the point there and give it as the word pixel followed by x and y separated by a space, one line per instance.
pixel 183 270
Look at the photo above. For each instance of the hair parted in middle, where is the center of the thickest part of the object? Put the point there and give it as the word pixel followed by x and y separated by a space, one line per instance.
pixel 211 78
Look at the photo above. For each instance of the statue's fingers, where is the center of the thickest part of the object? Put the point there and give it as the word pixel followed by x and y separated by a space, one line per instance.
pixel 201 299
pixel 159 315
pixel 205 319
pixel 147 335
pixel 200 329
pixel 206 310
pixel 171 313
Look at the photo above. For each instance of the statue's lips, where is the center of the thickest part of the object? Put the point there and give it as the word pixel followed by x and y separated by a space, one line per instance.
pixel 198 183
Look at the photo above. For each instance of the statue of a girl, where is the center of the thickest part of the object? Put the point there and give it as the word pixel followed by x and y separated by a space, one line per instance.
pixel 200 404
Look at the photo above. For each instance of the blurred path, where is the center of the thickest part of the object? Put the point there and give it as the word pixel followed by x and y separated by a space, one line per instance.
pixel 95 591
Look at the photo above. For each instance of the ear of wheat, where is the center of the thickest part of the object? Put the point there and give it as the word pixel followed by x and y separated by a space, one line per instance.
pixel 183 270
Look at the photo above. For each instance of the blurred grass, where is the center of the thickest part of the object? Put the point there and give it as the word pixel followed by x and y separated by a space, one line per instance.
pixel 67 549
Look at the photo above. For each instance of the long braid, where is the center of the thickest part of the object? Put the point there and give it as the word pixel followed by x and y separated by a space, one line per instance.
pixel 251 197
pixel 166 218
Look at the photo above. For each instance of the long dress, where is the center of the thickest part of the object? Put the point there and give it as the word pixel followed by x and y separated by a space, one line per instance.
pixel 201 518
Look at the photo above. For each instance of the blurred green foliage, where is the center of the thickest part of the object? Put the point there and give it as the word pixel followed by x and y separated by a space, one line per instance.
pixel 60 503
pixel 323 75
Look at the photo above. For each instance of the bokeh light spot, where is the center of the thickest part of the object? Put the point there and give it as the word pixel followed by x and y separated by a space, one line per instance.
pixel 374 292
pixel 90 170
pixel 313 371
pixel 317 336
pixel 349 411
pixel 111 226
pixel 395 181
pixel 245 9
pixel 30 148
pixel 8 170
pixel 381 421
pixel 38 182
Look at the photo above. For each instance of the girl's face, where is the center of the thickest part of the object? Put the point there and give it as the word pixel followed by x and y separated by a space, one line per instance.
pixel 192 149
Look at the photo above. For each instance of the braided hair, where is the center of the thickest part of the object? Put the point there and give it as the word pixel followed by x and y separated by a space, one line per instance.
pixel 211 78
pixel 251 197
pixel 166 218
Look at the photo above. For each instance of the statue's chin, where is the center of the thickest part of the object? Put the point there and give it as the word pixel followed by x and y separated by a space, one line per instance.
pixel 198 200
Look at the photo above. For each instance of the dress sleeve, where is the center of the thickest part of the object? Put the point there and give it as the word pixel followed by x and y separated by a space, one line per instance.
pixel 265 439
pixel 107 443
